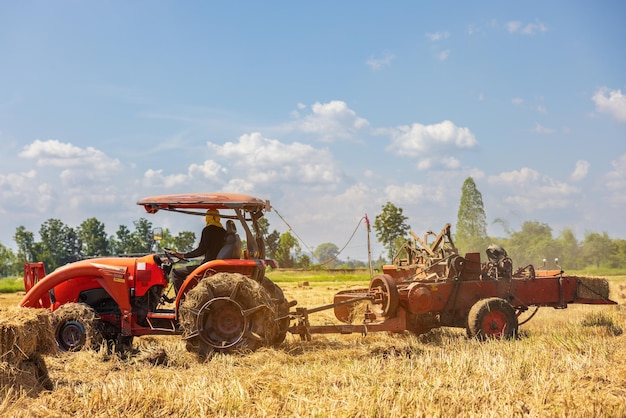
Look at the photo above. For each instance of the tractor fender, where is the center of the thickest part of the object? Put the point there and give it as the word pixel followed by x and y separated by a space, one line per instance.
pixel 111 278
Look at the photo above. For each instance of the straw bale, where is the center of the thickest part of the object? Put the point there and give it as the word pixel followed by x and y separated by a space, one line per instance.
pixel 592 288
pixel 30 375
pixel 24 332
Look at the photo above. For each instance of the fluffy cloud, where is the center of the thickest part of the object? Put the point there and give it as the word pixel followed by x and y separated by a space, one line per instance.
pixel 427 141
pixel 529 190
pixel 612 102
pixel 59 154
pixel 418 138
pixel 581 170
pixel 265 161
pixel 77 164
pixel 330 121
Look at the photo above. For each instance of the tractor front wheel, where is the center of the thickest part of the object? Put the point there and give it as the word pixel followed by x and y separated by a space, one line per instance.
pixel 492 318
pixel 76 326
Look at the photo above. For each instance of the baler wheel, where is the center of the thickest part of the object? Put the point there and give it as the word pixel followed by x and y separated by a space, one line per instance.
pixel 385 293
pixel 76 327
pixel 492 318
pixel 227 312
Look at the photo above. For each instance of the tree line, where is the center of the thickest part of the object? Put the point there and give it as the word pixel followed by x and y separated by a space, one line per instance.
pixel 60 244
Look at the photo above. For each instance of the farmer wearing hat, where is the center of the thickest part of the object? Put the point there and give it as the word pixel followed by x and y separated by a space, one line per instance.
pixel 211 242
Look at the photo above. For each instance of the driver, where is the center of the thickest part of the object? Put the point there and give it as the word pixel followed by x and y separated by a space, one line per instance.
pixel 211 242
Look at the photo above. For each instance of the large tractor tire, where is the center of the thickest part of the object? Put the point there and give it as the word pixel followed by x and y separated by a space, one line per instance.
pixel 225 313
pixel 492 318
pixel 281 307
pixel 76 327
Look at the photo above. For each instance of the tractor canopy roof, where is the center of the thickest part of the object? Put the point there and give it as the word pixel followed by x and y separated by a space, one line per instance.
pixel 182 202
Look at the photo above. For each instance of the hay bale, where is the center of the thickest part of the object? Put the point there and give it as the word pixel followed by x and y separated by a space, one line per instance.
pixel 592 288
pixel 24 333
pixel 30 375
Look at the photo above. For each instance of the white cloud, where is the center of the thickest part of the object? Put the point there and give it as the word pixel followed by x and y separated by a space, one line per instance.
pixel 209 171
pixel 330 121
pixel 377 63
pixel 612 102
pixel 517 101
pixel 616 180
pixel 540 129
pixel 581 170
pixel 437 36
pixel 265 161
pixel 58 154
pixel 515 178
pixel 418 140
pixel 526 29
pixel 527 189
pixel 405 193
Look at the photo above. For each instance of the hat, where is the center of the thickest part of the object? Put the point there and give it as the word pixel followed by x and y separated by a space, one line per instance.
pixel 213 217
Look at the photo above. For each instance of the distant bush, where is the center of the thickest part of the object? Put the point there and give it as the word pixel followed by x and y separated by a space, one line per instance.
pixel 11 285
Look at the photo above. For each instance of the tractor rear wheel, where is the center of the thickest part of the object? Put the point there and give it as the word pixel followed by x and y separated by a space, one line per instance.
pixel 281 306
pixel 227 312
pixel 492 318
pixel 76 327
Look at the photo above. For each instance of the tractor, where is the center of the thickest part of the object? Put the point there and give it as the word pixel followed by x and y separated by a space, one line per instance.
pixel 223 305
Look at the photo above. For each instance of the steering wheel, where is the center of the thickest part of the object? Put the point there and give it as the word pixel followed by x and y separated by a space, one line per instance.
pixel 172 256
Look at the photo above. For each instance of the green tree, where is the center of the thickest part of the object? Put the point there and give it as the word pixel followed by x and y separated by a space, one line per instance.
pixel 569 250
pixel 7 262
pixel 142 236
pixel 532 245
pixel 93 237
pixel 26 248
pixel 471 223
pixel 390 224
pixel 288 250
pixel 121 243
pixel 271 239
pixel 59 243
pixel 598 249
pixel 326 254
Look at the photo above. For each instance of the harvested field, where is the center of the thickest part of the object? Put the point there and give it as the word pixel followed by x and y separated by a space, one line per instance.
pixel 565 363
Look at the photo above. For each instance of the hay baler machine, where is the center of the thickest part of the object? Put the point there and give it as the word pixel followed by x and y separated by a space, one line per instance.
pixel 429 285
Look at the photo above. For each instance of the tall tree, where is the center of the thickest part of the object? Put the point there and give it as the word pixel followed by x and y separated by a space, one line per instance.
pixel 569 250
pixel 471 223
pixel 598 248
pixel 93 237
pixel 7 261
pixel 121 243
pixel 26 248
pixel 326 254
pixel 60 244
pixel 288 250
pixel 142 236
pixel 390 224
pixel 271 238
pixel 532 245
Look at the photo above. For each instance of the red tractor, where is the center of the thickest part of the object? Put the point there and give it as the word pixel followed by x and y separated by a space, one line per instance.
pixel 223 305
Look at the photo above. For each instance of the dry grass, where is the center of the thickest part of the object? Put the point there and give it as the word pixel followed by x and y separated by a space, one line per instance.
pixel 566 363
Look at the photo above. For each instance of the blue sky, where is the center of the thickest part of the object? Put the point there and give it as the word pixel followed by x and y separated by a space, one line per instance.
pixel 329 109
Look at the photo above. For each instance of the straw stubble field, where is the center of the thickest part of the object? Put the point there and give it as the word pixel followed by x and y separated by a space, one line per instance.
pixel 566 363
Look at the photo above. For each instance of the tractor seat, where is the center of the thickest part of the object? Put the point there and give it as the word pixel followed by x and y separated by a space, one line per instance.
pixel 232 243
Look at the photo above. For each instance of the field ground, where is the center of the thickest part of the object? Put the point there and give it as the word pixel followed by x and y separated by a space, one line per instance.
pixel 566 363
